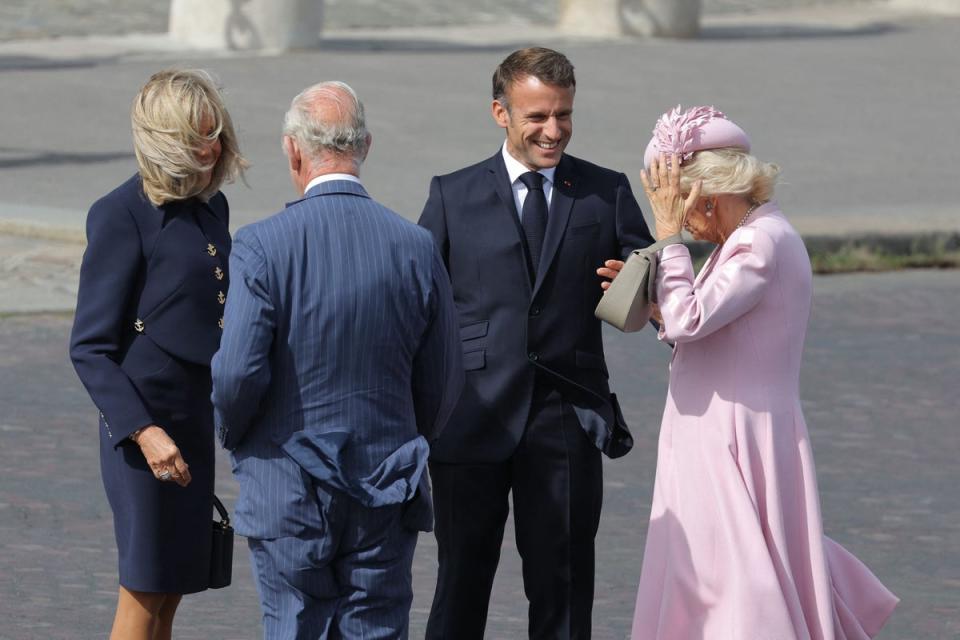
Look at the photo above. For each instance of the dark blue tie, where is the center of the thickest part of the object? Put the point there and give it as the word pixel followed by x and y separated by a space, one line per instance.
pixel 533 217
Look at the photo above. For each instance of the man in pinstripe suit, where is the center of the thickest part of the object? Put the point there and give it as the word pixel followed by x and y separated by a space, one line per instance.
pixel 340 361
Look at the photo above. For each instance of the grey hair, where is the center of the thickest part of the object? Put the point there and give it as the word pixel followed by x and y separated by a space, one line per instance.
pixel 347 135
pixel 730 170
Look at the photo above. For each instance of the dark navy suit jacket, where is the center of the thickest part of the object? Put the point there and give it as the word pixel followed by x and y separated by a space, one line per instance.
pixel 510 327
pixel 340 359
pixel 152 286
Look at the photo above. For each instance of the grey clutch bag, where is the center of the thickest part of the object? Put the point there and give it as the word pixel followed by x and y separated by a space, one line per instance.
pixel 626 304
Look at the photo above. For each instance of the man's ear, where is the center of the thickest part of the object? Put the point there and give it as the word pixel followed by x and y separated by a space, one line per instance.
pixel 369 142
pixel 292 150
pixel 500 113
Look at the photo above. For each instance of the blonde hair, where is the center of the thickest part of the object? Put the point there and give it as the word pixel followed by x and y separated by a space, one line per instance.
pixel 167 118
pixel 730 170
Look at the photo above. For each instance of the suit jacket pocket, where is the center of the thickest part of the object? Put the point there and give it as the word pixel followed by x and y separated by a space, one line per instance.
pixel 144 359
pixel 473 360
pixel 586 223
pixel 474 330
pixel 471 336
pixel 164 385
pixel 588 229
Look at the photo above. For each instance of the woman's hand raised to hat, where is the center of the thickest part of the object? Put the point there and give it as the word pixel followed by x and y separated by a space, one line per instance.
pixel 661 183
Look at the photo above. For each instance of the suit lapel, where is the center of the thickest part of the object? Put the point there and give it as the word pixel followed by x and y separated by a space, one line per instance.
pixel 564 192
pixel 501 184
pixel 503 188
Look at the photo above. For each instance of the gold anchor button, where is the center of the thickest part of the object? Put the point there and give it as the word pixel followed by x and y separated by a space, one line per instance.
pixel 211 249
pixel 221 298
pixel 220 323
pixel 218 273
pixel 138 325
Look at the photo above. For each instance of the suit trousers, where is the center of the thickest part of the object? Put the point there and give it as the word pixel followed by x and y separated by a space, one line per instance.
pixel 556 478
pixel 348 577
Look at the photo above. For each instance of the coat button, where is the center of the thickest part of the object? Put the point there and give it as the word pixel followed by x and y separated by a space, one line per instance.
pixel 218 273
pixel 533 356
pixel 212 249
pixel 534 311
pixel 220 323
pixel 221 298
pixel 138 325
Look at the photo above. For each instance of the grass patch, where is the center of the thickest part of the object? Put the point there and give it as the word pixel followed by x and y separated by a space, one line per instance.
pixel 853 259
pixel 877 252
pixel 830 254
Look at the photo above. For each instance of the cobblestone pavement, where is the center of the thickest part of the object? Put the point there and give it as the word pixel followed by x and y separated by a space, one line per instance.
pixel 49 18
pixel 879 390
pixel 37 274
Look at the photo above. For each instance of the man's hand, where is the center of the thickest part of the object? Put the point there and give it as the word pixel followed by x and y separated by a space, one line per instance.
pixel 163 456
pixel 610 269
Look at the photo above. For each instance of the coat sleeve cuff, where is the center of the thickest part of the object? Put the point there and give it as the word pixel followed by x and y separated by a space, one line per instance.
pixel 673 251
pixel 119 430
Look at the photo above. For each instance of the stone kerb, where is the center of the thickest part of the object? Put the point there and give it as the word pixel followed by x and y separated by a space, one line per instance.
pixel 946 7
pixel 648 18
pixel 247 24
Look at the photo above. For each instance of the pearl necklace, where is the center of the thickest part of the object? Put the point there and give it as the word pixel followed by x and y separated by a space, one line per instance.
pixel 752 208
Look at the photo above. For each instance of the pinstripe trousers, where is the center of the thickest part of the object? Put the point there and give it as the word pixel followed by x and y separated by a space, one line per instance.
pixel 348 577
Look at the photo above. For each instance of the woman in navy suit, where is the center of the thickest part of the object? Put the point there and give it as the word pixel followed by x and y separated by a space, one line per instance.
pixel 149 316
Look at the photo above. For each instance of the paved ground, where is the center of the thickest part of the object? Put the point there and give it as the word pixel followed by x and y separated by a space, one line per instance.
pixel 49 18
pixel 857 106
pixel 854 104
pixel 879 389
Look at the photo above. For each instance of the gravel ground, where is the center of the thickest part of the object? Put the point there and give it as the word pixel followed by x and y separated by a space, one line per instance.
pixel 23 19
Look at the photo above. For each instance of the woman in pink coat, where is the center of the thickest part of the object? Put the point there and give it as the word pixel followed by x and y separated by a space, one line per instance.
pixel 735 548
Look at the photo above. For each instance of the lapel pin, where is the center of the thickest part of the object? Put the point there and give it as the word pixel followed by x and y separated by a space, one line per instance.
pixel 567 183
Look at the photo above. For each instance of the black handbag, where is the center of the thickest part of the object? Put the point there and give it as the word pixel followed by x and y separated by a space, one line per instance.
pixel 221 549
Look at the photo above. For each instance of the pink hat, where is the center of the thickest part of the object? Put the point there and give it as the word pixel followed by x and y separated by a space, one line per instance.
pixel 695 129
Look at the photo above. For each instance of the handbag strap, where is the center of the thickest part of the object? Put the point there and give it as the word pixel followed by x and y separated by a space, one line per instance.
pixel 222 510
pixel 660 244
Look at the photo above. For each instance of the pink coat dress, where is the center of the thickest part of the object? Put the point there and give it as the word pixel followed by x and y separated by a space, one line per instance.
pixel 735 548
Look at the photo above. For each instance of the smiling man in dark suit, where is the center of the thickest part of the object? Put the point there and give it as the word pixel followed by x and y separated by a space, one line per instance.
pixel 523 234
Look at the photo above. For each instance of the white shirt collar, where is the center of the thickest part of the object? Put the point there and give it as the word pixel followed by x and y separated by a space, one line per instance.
pixel 515 168
pixel 327 177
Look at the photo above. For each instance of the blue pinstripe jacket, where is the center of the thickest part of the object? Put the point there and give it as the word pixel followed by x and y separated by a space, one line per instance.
pixel 340 359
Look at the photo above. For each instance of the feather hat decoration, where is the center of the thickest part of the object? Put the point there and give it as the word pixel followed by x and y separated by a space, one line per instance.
pixel 698 128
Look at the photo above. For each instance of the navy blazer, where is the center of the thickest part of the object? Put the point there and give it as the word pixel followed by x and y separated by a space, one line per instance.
pixel 510 327
pixel 153 283
pixel 340 359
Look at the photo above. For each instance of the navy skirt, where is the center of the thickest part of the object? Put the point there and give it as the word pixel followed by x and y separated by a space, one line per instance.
pixel 163 530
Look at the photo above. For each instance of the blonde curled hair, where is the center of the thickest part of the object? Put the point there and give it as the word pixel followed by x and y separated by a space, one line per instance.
pixel 167 117
pixel 730 170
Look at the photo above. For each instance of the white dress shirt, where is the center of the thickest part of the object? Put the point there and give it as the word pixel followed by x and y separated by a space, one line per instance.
pixel 327 177
pixel 515 169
